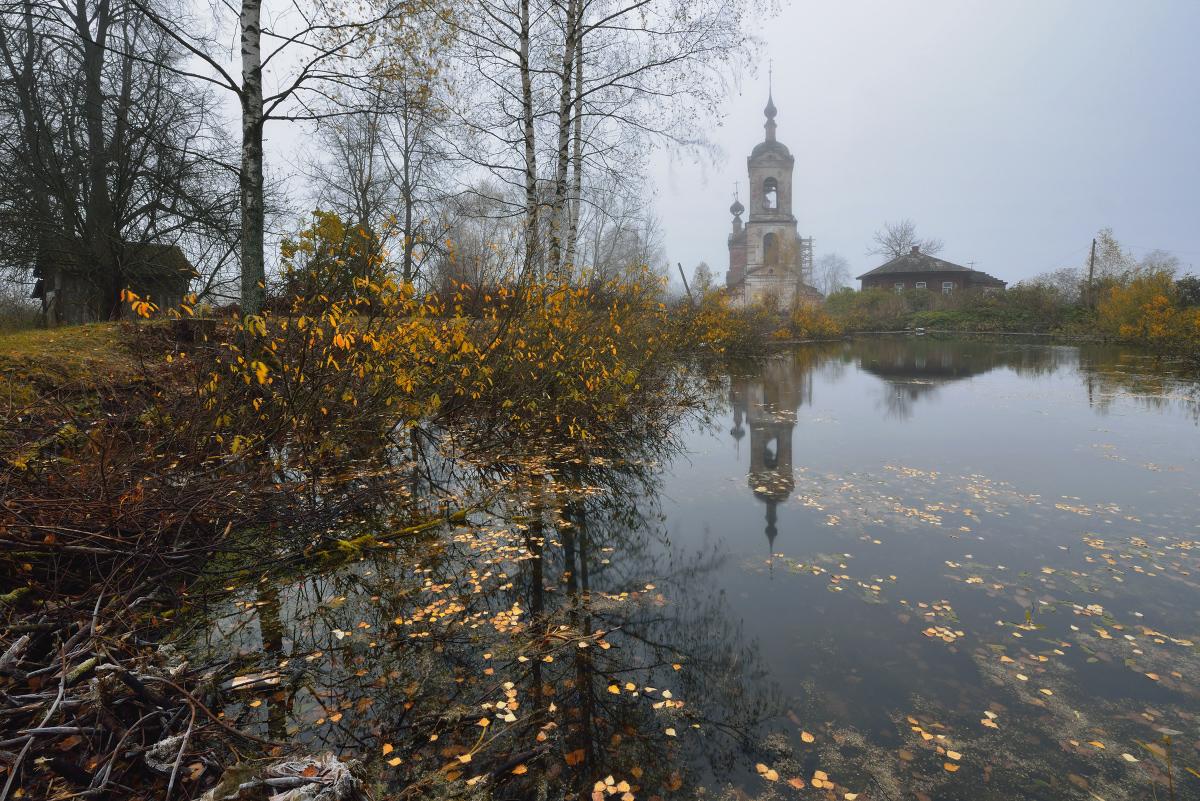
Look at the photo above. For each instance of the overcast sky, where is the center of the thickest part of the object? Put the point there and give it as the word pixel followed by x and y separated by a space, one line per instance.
pixel 1011 130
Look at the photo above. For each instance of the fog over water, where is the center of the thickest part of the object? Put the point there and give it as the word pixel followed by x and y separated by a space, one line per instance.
pixel 1012 131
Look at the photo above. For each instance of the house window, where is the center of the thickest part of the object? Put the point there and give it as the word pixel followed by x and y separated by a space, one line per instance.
pixel 920 285
pixel 899 286
pixel 947 287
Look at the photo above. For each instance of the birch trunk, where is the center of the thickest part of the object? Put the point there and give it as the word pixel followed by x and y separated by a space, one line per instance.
pixel 559 212
pixel 531 199
pixel 576 155
pixel 254 273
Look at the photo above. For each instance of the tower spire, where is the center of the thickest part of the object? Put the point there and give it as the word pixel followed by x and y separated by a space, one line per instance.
pixel 770 111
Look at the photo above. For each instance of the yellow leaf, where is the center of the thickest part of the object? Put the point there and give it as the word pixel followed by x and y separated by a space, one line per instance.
pixel 520 769
pixel 806 737
pixel 954 755
pixel 797 783
pixel 670 732
pixel 950 767
pixel 388 748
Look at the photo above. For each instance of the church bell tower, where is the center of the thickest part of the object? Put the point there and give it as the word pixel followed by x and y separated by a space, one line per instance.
pixel 768 259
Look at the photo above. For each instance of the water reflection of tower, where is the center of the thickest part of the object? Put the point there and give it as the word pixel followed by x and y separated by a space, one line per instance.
pixel 768 403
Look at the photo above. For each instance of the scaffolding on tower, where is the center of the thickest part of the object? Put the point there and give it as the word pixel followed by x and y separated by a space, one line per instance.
pixel 806 259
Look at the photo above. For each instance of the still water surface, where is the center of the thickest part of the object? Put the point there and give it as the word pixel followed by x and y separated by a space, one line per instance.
pixel 907 568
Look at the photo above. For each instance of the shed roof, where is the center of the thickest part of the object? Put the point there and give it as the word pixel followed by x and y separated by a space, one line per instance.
pixel 144 260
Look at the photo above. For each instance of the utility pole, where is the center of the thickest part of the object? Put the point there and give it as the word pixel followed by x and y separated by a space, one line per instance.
pixel 688 289
pixel 1092 276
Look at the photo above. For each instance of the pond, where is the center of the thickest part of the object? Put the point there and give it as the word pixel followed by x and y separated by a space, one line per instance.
pixel 880 569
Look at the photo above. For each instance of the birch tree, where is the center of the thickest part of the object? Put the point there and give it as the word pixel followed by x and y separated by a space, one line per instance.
pixel 302 53
pixel 584 87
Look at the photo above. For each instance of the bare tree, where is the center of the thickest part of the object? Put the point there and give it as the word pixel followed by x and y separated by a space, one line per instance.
pixel 105 145
pixel 832 273
pixel 897 238
pixel 579 88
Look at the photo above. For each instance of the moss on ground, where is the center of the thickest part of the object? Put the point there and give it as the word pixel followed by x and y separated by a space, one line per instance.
pixel 71 359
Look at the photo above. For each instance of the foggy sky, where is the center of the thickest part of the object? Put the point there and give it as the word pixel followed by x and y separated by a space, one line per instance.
pixel 1011 130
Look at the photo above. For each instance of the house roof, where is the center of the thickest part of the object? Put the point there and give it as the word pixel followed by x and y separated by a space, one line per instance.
pixel 917 262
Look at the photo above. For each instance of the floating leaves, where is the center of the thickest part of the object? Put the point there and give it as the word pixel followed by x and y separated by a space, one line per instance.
pixel 767 773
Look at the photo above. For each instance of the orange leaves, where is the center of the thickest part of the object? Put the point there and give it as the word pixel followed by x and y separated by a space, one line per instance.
pixel 769 774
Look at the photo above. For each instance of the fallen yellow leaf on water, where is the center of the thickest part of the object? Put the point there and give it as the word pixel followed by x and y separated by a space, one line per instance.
pixel 760 768
pixel 797 783
pixel 1095 743
pixel 670 732
pixel 1044 691
pixel 950 767
pixel 614 689
pixel 821 775
pixel 388 748
pixel 806 737
pixel 851 796
pixel 519 769
pixel 1129 757
pixel 394 761
pixel 771 775
pixel 1152 676
pixel 954 755
pixel 1022 677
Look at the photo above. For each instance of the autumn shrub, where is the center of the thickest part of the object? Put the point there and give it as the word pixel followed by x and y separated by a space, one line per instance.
pixel 868 310
pixel 809 320
pixel 715 323
pixel 1144 309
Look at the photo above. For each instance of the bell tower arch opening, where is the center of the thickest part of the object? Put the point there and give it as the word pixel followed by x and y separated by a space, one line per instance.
pixel 770 194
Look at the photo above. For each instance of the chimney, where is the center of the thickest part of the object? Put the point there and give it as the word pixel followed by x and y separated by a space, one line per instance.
pixel 916 249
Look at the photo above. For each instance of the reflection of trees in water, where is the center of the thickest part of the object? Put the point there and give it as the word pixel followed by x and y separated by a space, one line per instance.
pixel 1110 373
pixel 915 368
pixel 403 646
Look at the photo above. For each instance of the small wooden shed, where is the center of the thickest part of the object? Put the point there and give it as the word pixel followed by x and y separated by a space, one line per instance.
pixel 72 291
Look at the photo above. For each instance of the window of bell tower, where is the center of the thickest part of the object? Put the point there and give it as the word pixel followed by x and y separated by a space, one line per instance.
pixel 770 194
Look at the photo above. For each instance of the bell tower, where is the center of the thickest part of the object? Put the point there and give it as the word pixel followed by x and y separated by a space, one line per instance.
pixel 769 262
pixel 770 166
